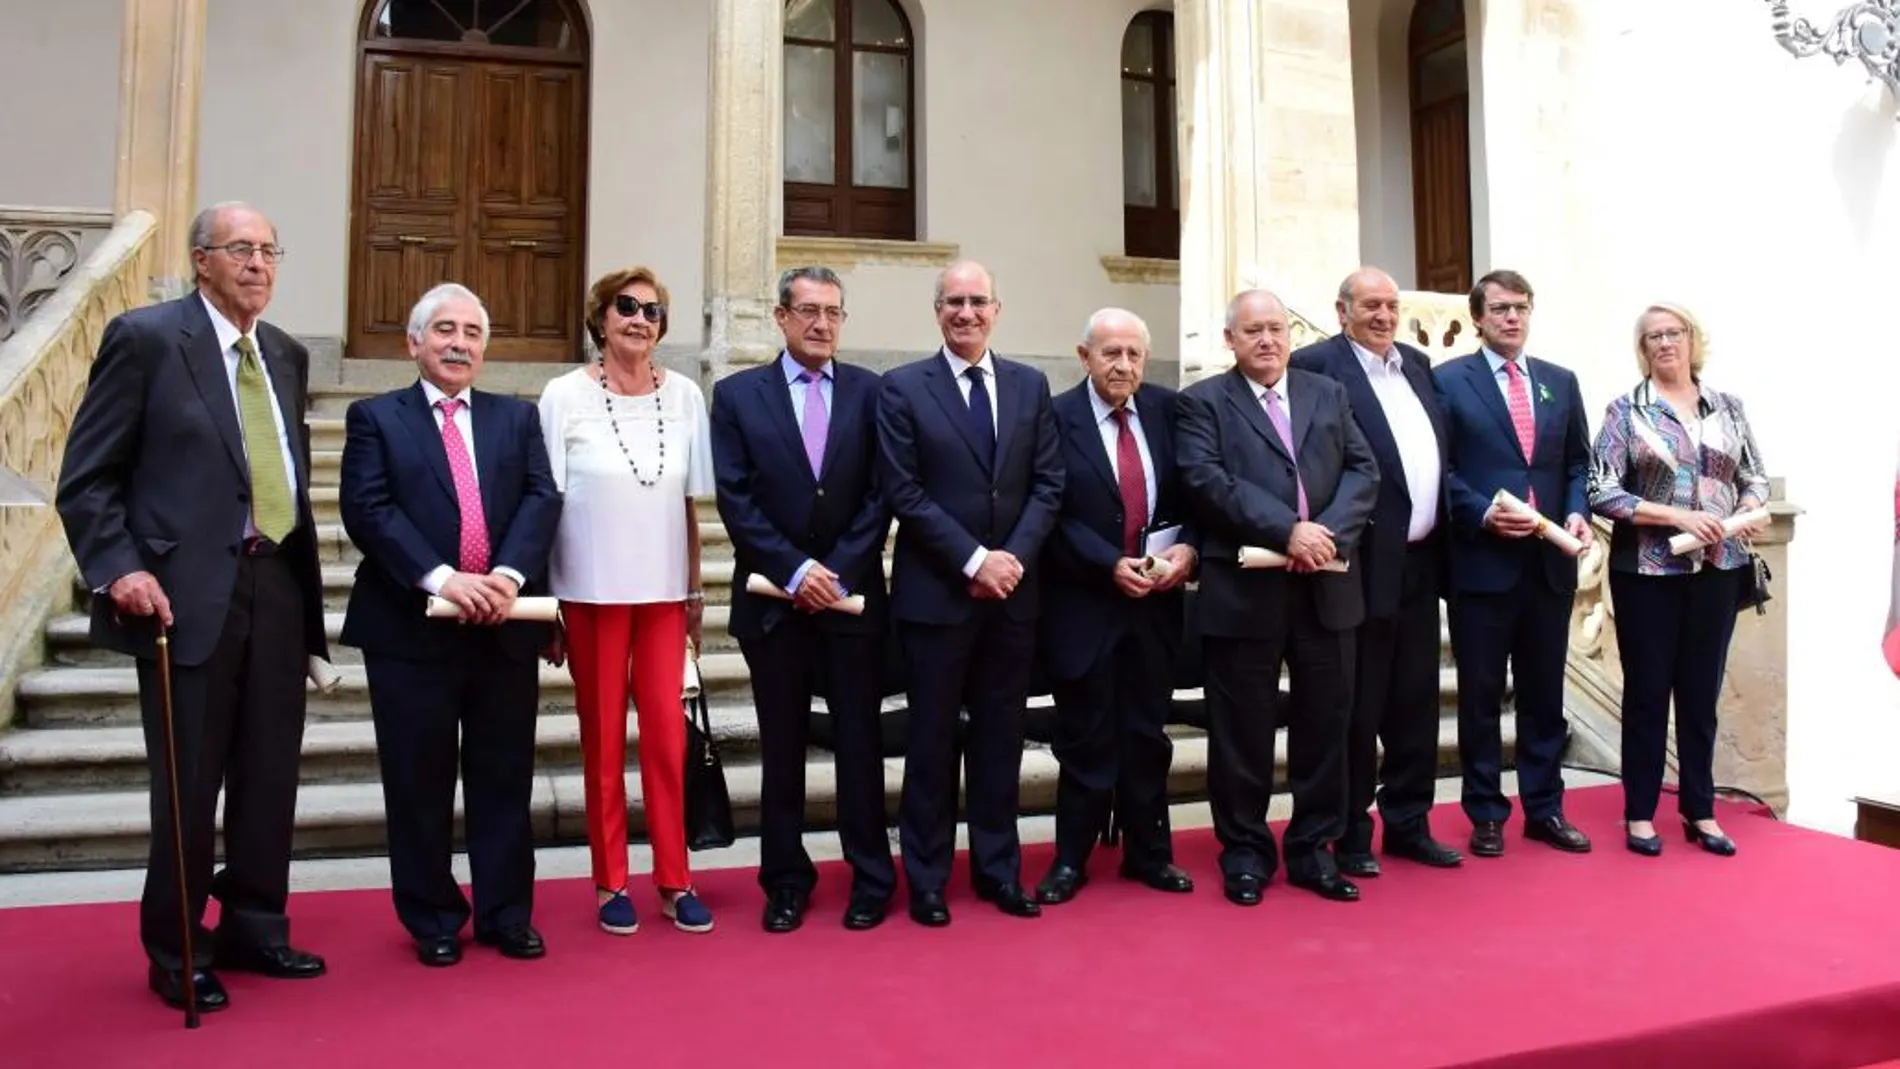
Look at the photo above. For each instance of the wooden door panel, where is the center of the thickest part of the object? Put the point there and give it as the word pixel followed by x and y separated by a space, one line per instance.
pixel 1441 190
pixel 550 116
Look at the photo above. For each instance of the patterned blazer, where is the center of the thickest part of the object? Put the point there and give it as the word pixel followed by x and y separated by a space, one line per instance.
pixel 1644 452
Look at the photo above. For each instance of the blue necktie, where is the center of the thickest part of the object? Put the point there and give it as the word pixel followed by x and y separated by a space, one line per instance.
pixel 982 424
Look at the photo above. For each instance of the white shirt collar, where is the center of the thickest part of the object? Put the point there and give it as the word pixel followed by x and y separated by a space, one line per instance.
pixel 793 369
pixel 958 365
pixel 1497 362
pixel 435 395
pixel 1279 388
pixel 1101 409
pixel 1369 360
pixel 227 331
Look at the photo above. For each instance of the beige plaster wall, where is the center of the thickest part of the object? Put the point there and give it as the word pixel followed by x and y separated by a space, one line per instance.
pixel 59 128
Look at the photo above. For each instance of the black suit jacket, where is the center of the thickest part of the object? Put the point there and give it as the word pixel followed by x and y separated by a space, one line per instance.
pixel 1083 609
pixel 949 500
pixel 1242 487
pixel 155 478
pixel 1382 549
pixel 779 515
pixel 400 509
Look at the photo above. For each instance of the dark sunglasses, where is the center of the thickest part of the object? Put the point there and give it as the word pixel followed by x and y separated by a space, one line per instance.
pixel 654 311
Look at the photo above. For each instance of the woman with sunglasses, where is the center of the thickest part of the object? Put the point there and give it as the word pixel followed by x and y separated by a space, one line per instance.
pixel 630 448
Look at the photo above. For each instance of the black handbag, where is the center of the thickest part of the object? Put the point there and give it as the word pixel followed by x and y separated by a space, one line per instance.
pixel 708 806
pixel 1755 593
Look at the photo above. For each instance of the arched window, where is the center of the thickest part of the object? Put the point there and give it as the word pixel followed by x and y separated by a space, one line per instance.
pixel 848 120
pixel 546 24
pixel 1151 182
pixel 1441 145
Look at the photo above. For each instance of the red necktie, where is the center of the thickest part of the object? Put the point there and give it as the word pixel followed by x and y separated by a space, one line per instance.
pixel 1134 485
pixel 1521 421
pixel 468 494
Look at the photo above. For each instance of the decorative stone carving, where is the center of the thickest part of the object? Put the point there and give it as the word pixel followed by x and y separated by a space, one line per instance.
pixel 844 254
pixel 1868 30
pixel 38 248
pixel 1438 323
pixel 1142 271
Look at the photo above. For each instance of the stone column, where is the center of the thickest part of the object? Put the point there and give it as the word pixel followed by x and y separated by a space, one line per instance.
pixel 1269 180
pixel 161 61
pixel 1751 739
pixel 743 205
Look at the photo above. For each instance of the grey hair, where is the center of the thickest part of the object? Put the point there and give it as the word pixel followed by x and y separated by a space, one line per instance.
pixel 199 236
pixel 432 302
pixel 1233 306
pixel 1102 315
pixel 988 276
pixel 824 276
pixel 1347 284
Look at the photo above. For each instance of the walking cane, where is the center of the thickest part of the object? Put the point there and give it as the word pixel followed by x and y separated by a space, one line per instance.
pixel 189 973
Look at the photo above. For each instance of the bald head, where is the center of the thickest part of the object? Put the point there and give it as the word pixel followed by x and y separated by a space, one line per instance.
pixel 967 308
pixel 1257 334
pixel 1114 354
pixel 1368 308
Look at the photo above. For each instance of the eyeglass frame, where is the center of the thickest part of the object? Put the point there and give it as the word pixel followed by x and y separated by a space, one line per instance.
pixel 808 313
pixel 271 254
pixel 1673 335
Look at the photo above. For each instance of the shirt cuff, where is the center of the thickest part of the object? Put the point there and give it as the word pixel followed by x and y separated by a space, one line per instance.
pixel 437 577
pixel 798 577
pixel 975 563
pixel 509 573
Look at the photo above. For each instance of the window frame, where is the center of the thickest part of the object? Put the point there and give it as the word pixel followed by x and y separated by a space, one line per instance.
pixel 1154 232
pixel 840 208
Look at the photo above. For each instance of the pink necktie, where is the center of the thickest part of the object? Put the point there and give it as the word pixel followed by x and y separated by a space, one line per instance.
pixel 816 428
pixel 468 494
pixel 1277 416
pixel 1521 421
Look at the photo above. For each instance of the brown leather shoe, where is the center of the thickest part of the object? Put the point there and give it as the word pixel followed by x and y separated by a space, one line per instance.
pixel 1487 838
pixel 1557 832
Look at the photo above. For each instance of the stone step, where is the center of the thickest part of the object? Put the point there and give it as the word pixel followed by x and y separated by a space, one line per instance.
pixel 325 510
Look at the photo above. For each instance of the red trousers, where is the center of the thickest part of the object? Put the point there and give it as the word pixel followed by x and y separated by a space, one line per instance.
pixel 614 651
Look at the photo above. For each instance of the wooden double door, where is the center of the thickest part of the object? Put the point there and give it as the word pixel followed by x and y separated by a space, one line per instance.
pixel 469 169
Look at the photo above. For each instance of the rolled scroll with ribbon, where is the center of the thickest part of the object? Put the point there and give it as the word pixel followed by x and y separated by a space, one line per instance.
pixel 323 674
pixel 1734 525
pixel 690 683
pixel 765 588
pixel 538 610
pixel 1547 529
pixel 1252 557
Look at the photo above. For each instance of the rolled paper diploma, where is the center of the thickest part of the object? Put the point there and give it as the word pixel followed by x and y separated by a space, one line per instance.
pixel 1548 529
pixel 1257 557
pixel 1685 542
pixel 765 588
pixel 1155 568
pixel 542 610
pixel 689 687
pixel 323 674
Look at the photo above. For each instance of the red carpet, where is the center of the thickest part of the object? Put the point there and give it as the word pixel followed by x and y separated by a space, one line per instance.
pixel 1788 955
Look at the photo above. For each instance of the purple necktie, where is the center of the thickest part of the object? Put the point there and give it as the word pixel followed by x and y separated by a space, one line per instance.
pixel 817 421
pixel 1277 416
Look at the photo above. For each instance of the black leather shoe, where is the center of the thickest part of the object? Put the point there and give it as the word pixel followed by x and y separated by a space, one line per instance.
pixel 439 952
pixel 1648 846
pixel 866 912
pixel 522 943
pixel 1328 885
pixel 1169 878
pixel 1557 832
pixel 784 910
pixel 1355 864
pixel 169 985
pixel 1063 881
pixel 1011 899
pixel 1719 845
pixel 1243 889
pixel 1425 850
pixel 929 909
pixel 278 962
pixel 1487 838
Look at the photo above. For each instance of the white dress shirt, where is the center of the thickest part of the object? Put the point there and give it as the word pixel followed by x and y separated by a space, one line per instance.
pixel 1111 442
pixel 464 422
pixel 958 366
pixel 228 335
pixel 1411 431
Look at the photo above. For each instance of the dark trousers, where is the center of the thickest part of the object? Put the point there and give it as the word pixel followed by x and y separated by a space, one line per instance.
pixel 1245 709
pixel 789 664
pixel 1395 702
pixel 1112 748
pixel 419 708
pixel 982 665
pixel 238 724
pixel 1528 630
pixel 1673 634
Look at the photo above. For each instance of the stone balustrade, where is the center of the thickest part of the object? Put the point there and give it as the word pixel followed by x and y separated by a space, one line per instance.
pixel 39 249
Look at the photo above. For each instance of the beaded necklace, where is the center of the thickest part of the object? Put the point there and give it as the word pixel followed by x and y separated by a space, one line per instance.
pixel 659 426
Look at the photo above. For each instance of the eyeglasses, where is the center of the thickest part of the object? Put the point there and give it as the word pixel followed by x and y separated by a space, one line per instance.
pixel 242 251
pixel 811 312
pixel 1671 336
pixel 653 311
pixel 973 303
pixel 1500 310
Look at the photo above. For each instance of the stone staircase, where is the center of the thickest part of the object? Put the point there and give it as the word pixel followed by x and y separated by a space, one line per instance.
pixel 72 771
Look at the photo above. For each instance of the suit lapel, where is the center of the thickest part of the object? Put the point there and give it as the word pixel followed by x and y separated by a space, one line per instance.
pixel 1482 383
pixel 1240 395
pixel 843 397
pixel 1079 414
pixel 205 361
pixel 1160 434
pixel 284 384
pixel 1421 381
pixel 1351 373
pixel 1543 413
pixel 1008 400
pixel 777 402
pixel 485 414
pixel 955 409
pixel 421 423
pixel 1302 401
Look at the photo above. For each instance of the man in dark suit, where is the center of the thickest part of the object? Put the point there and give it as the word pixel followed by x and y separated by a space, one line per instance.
pixel 447 491
pixel 971 466
pixel 795 454
pixel 185 497
pixel 1110 628
pixel 1395 688
pixel 1271 458
pixel 1515 424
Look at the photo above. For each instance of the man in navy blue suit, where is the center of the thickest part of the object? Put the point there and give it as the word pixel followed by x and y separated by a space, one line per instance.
pixel 1515 424
pixel 447 492
pixel 794 447
pixel 1110 626
pixel 971 466
pixel 1395 689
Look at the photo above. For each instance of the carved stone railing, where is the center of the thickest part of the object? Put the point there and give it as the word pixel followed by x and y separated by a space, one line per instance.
pixel 39 248
pixel 1438 323
pixel 43 369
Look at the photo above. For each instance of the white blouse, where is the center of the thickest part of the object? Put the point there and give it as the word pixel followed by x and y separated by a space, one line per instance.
pixel 621 542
